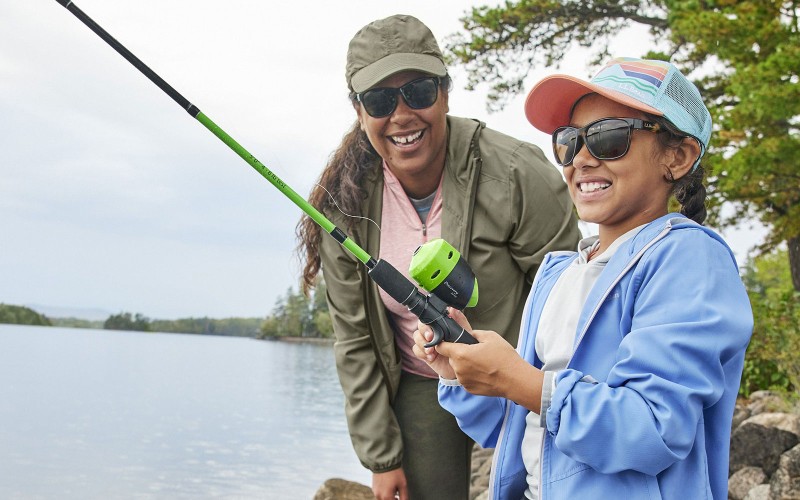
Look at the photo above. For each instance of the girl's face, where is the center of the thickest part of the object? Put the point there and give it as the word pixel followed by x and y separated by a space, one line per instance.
pixel 413 142
pixel 620 194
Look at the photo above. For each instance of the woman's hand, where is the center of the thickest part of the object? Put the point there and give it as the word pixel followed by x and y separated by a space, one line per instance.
pixel 390 485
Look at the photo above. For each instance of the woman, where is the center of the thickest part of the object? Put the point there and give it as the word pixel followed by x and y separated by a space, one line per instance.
pixel 412 173
pixel 629 360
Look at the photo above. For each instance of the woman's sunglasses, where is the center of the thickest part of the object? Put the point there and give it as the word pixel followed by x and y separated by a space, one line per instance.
pixel 418 94
pixel 605 139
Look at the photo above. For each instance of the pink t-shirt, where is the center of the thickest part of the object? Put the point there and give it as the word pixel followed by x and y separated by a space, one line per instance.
pixel 401 233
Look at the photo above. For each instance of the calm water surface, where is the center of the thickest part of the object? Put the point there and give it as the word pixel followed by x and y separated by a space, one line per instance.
pixel 88 414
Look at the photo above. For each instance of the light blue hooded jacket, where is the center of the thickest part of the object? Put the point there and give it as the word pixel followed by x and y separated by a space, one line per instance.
pixel 644 408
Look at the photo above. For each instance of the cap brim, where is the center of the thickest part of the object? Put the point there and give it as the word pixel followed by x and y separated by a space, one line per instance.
pixel 549 103
pixel 383 68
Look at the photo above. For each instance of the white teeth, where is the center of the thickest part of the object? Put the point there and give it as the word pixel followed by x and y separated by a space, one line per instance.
pixel 406 139
pixel 590 187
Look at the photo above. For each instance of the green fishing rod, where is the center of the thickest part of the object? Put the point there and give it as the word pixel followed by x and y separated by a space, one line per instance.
pixel 448 277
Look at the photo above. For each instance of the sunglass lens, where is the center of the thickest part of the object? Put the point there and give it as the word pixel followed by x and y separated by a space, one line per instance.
pixel 564 143
pixel 379 102
pixel 420 94
pixel 608 139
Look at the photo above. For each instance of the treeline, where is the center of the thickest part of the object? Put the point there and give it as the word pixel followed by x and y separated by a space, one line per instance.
pixel 296 315
pixel 20 315
pixel 232 327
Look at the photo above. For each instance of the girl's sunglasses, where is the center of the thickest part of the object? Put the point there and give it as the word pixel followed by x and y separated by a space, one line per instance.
pixel 418 94
pixel 605 139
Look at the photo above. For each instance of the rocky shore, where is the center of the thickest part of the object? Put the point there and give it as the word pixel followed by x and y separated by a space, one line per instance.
pixel 764 462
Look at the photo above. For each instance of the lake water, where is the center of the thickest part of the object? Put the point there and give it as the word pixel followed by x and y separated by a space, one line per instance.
pixel 94 414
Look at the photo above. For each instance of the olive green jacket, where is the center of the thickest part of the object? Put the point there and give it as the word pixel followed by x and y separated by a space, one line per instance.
pixel 504 207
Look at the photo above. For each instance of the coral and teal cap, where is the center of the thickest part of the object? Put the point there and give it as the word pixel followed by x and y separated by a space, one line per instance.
pixel 651 86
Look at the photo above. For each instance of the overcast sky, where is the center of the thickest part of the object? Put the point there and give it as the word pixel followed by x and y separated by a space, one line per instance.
pixel 114 199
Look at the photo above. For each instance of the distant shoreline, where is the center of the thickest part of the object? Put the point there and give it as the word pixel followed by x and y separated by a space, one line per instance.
pixel 301 340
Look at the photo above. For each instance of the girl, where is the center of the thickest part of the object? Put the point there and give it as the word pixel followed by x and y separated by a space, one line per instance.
pixel 631 349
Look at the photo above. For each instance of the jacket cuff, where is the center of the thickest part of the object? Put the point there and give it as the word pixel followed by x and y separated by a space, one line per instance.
pixel 548 388
pixel 381 469
pixel 450 382
pixel 564 381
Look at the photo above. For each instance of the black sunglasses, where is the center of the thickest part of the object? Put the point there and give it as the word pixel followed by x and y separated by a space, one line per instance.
pixel 418 94
pixel 605 139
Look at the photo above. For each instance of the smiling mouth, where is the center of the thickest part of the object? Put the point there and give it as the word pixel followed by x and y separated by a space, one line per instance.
pixel 591 187
pixel 407 140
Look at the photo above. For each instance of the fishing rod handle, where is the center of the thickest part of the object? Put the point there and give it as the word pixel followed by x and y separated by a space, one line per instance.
pixel 429 309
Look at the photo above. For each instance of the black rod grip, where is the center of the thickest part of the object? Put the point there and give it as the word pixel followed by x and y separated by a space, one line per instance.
pixel 428 308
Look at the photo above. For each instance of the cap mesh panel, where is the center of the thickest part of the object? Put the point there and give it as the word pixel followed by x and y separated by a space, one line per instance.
pixel 679 93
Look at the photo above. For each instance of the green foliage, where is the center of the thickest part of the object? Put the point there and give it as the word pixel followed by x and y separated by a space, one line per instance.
pixel 20 315
pixel 296 315
pixel 747 54
pixel 234 327
pixel 771 361
pixel 754 98
pixel 500 45
pixel 76 323
pixel 126 321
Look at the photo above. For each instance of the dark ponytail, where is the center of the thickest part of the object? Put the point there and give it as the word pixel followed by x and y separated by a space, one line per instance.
pixel 689 190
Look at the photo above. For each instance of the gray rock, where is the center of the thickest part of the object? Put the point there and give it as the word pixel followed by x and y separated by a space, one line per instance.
pixel 784 421
pixel 481 468
pixel 341 489
pixel 745 479
pixel 740 414
pixel 765 401
pixel 785 483
pixel 760 492
pixel 756 442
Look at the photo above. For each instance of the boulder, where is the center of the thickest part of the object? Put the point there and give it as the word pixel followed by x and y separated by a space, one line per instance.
pixel 760 440
pixel 764 402
pixel 785 483
pixel 341 489
pixel 481 468
pixel 744 480
pixel 760 492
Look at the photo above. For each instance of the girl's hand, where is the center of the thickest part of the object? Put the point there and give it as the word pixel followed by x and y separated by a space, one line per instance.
pixel 424 334
pixel 492 367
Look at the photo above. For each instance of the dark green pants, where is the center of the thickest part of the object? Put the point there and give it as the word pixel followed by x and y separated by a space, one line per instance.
pixel 436 453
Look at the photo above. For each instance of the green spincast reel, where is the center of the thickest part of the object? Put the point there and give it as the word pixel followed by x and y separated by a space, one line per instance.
pixel 439 268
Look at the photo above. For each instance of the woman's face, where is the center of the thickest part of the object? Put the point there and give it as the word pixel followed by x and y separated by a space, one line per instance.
pixel 620 194
pixel 413 142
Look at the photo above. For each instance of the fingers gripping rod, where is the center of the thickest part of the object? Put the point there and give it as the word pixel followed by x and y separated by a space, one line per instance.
pixel 428 308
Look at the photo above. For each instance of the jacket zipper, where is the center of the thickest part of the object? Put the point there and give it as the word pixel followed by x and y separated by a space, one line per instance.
pixel 424 229
pixel 520 350
pixel 622 273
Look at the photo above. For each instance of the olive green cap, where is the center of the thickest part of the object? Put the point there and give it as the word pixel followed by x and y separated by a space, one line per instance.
pixel 388 46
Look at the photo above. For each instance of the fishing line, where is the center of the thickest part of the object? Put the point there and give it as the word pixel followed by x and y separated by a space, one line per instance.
pixel 343 212
pixel 430 309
